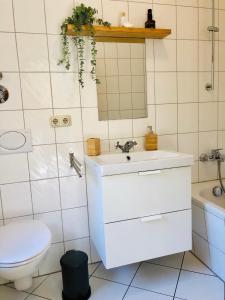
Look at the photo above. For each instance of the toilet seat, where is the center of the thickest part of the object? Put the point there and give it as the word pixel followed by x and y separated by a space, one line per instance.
pixel 22 242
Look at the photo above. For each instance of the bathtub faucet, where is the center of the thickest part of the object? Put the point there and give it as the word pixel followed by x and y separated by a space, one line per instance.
pixel 214 155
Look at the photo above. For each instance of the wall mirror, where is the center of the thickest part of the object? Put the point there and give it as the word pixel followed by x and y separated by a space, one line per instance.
pixel 122 74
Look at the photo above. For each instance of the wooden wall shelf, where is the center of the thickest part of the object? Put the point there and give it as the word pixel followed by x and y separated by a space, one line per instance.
pixel 123 34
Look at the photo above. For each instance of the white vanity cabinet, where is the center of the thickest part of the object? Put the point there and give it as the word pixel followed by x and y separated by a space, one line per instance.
pixel 139 215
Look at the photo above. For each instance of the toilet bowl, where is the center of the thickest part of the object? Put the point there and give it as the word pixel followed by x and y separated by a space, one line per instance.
pixel 23 245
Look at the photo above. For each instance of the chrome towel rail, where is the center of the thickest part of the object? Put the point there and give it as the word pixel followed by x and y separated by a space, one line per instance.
pixel 74 163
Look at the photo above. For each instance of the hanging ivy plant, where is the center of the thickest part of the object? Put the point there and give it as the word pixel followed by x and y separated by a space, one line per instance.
pixel 82 16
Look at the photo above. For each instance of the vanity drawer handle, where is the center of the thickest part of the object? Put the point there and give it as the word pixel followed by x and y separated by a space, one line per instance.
pixel 150 172
pixel 150 219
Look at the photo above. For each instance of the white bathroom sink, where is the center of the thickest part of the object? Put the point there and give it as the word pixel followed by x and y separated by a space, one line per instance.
pixel 120 163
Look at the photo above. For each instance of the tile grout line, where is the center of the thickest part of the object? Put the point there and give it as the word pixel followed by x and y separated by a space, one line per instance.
pixel 179 276
pixel 55 134
pixel 132 280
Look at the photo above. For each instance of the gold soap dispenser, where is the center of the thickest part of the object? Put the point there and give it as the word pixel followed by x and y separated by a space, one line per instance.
pixel 151 140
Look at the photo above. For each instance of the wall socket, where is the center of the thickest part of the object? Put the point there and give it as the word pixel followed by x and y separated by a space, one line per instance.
pixel 61 121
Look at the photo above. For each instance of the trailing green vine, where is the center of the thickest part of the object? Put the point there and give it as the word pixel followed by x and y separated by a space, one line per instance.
pixel 82 16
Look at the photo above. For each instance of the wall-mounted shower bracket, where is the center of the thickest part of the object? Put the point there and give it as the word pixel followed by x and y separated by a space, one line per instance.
pixel 213 29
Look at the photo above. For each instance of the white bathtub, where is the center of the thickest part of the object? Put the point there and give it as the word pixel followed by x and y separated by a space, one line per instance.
pixel 209 227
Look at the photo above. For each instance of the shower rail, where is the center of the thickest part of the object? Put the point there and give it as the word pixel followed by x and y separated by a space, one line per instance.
pixel 213 29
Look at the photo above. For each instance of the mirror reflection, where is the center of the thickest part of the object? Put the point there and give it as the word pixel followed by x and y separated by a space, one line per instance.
pixel 122 74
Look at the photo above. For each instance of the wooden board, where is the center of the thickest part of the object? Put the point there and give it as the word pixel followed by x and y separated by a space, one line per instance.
pixel 123 34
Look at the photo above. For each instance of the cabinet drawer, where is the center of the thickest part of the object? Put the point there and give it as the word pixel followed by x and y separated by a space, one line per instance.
pixel 146 238
pixel 135 195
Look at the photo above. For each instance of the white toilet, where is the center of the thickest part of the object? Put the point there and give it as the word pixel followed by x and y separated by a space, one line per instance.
pixel 22 247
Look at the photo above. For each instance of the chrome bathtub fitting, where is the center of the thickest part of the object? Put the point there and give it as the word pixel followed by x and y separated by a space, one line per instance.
pixel 214 155
pixel 127 146
pixel 217 156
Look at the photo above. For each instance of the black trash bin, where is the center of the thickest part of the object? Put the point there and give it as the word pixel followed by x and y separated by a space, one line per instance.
pixel 75 276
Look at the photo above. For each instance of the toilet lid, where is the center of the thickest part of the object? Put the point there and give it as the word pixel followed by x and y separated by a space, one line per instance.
pixel 21 241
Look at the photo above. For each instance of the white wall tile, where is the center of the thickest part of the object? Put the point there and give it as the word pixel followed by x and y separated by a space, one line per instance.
pixel 167 94
pixel 221 56
pixel 221 91
pixel 39 123
pixel 207 141
pixel 207 116
pixel 42 162
pixel 140 125
pixel 221 121
pixel 54 222
pixel 187 55
pixel 185 28
pixel 16 199
pixel 166 119
pixel 205 56
pixel 36 90
pixel 75 223
pixel 187 86
pixel 168 142
pixel 188 143
pixel 6 118
pixel 62 9
pixel 35 18
pixel 33 52
pixel 8 54
pixel 45 195
pixel 6 20
pixel 112 11
pixel 8 172
pixel 72 133
pixel 65 90
pixel 73 192
pixel 92 126
pixel 188 117
pixel 120 129
pixel 168 20
pixel 165 55
pixel 188 2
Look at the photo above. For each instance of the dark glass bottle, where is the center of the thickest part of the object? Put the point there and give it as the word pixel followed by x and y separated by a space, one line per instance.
pixel 150 23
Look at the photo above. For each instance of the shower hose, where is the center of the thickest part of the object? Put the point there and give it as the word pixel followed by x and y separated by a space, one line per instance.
pixel 220 176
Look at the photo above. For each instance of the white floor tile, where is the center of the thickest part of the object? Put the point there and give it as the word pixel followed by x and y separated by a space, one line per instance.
pixel 156 278
pixel 138 294
pixel 122 275
pixel 173 261
pixel 92 268
pixel 193 286
pixel 191 263
pixel 7 293
pixel 51 287
pixel 103 289
pixel 36 283
pixel 33 297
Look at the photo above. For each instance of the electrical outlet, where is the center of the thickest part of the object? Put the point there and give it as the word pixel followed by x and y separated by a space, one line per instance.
pixel 61 121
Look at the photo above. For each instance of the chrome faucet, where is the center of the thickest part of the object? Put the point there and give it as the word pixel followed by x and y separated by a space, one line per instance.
pixel 127 146
pixel 214 155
